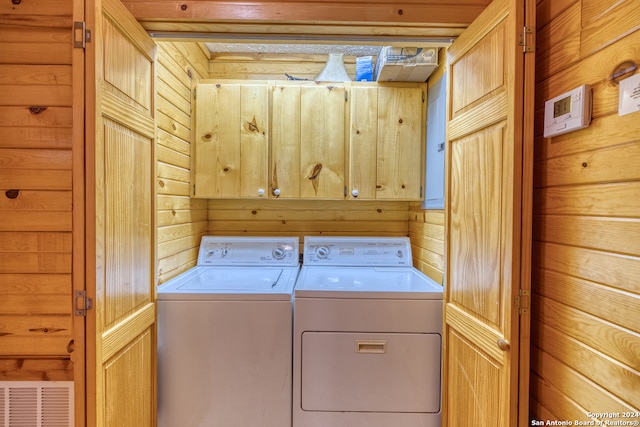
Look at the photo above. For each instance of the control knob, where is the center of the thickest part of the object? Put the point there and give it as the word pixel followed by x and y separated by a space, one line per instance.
pixel 278 253
pixel 322 252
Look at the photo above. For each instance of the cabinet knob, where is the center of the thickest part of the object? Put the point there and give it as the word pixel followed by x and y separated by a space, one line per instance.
pixel 276 191
pixel 260 192
pixel 354 193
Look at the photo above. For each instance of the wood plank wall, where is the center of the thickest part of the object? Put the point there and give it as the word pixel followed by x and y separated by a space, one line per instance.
pixel 35 190
pixel 585 353
pixel 181 220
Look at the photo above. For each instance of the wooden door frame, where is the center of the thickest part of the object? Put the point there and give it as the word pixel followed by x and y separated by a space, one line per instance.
pixel 526 225
pixel 78 356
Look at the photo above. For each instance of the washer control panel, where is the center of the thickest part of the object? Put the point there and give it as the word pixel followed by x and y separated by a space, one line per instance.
pixel 249 251
pixel 358 251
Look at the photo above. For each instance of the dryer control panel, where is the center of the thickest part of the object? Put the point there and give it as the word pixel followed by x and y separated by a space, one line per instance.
pixel 358 251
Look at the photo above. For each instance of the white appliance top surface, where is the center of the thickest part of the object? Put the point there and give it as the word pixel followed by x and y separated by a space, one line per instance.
pixel 231 283
pixel 362 268
pixel 357 251
pixel 366 282
pixel 248 251
pixel 238 268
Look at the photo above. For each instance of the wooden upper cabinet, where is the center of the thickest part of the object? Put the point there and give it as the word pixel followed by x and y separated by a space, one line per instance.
pixel 386 141
pixel 309 140
pixel 231 140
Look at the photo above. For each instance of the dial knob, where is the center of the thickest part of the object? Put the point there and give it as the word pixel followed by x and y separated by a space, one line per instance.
pixel 278 253
pixel 322 252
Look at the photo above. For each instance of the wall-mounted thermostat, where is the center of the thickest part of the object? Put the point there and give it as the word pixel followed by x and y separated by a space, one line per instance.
pixel 568 112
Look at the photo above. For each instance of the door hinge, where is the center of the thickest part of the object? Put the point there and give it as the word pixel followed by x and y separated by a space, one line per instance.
pixel 81 35
pixel 527 39
pixel 82 303
pixel 523 301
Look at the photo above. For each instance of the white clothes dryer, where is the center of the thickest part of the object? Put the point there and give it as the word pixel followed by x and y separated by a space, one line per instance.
pixel 224 335
pixel 367 336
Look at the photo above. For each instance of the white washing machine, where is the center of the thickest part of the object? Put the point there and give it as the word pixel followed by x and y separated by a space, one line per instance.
pixel 224 335
pixel 367 336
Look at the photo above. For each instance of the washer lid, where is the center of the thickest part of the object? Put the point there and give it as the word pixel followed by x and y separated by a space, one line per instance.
pixel 366 282
pixel 231 283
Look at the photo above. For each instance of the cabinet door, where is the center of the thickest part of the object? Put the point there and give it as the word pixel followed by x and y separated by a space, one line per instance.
pixel 231 140
pixel 401 140
pixel 363 142
pixel 322 136
pixel 285 141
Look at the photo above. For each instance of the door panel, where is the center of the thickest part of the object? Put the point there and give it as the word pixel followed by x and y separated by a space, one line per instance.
pixel 217 153
pixel 322 130
pixel 400 142
pixel 120 169
pixel 487 212
pixel 285 141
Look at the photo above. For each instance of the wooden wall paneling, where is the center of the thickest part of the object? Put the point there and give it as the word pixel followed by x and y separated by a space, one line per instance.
pixel 615 199
pixel 548 10
pixel 619 235
pixel 181 220
pixel 609 268
pixel 427 233
pixel 311 217
pixel 35 190
pixel 603 24
pixel 36 369
pixel 566 391
pixel 594 70
pixel 615 163
pixel 586 247
pixel 32 41
pixel 614 341
pixel 565 31
pixel 619 380
pixel 196 55
pixel 262 66
pixel 603 133
pixel 555 401
pixel 575 387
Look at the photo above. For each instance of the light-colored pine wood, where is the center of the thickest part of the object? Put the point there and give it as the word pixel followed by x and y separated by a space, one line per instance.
pixel 231 140
pixel 602 25
pixel 432 14
pixel 485 209
pixel 401 142
pixel 121 226
pixel 322 138
pixel 363 142
pixel 284 172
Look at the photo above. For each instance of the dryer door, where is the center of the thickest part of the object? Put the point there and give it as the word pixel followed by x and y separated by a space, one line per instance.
pixel 370 372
